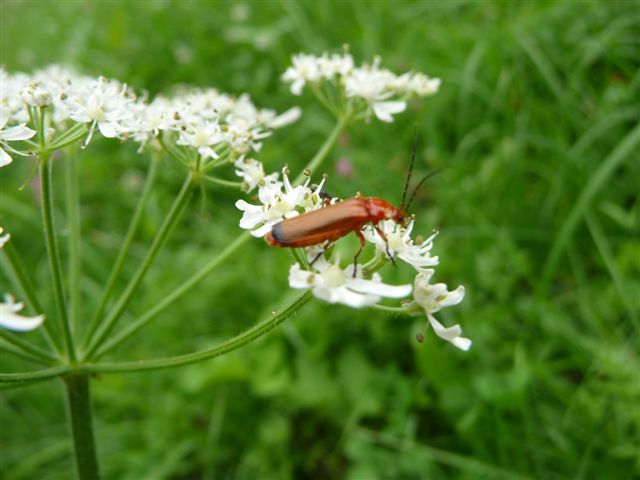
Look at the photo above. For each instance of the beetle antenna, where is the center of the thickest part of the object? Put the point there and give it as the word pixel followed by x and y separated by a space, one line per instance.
pixel 415 190
pixel 413 159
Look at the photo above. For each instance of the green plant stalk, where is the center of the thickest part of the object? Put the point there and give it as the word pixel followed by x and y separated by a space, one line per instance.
pixel 175 294
pixel 124 250
pixel 81 422
pixel 21 281
pixel 54 254
pixel 224 183
pixel 37 354
pixel 319 157
pixel 6 347
pixel 180 360
pixel 19 379
pixel 73 226
pixel 161 237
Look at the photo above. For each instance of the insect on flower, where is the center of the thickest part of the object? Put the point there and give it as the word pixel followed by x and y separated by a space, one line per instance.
pixel 328 224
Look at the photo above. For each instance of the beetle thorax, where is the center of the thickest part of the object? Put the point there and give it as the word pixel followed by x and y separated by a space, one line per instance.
pixel 380 209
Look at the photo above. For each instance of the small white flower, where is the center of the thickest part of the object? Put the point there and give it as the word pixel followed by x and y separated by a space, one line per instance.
pixel 4 238
pixel 36 95
pixel 202 135
pixel 400 245
pixel 305 69
pixel 11 134
pixel 10 320
pixel 252 172
pixel 277 205
pixel 435 297
pixel 286 118
pixel 334 285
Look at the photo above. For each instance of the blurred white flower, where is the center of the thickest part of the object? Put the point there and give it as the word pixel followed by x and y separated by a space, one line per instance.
pixel 11 134
pixel 435 297
pixel 400 245
pixel 332 284
pixel 10 320
pixel 4 238
pixel 378 90
pixel 203 136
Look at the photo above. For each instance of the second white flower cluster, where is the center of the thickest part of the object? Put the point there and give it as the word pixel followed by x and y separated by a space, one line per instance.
pixel 351 286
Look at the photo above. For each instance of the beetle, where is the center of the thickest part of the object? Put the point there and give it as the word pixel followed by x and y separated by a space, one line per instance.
pixel 334 221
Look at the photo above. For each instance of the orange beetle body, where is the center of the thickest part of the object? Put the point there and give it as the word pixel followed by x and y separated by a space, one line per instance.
pixel 332 222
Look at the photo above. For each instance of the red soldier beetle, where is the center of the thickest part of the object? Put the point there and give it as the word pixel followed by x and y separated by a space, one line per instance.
pixel 327 224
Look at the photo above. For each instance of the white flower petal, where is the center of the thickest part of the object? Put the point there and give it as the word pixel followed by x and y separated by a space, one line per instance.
pixel 451 334
pixel 286 118
pixel 385 110
pixel 380 289
pixel 5 158
pixel 10 320
pixel 17 133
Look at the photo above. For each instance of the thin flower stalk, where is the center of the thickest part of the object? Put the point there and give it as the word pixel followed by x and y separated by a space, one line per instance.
pixel 33 352
pixel 160 239
pixel 124 250
pixel 73 228
pixel 54 255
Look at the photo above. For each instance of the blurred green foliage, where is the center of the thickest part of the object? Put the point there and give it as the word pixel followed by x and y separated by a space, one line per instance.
pixel 536 98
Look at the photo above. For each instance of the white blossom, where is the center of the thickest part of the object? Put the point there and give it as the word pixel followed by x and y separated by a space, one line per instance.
pixel 435 297
pixel 4 238
pixel 367 87
pixel 10 320
pixel 11 134
pixel 400 244
pixel 252 172
pixel 276 205
pixel 332 284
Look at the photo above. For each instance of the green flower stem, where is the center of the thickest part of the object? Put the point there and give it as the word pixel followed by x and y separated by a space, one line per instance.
pixel 180 360
pixel 75 132
pixel 167 300
pixel 225 183
pixel 81 420
pixel 398 310
pixel 54 253
pixel 35 353
pixel 124 250
pixel 20 279
pixel 161 237
pixel 73 220
pixel 19 379
pixel 319 157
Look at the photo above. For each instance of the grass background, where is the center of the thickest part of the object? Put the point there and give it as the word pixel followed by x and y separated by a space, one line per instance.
pixel 536 132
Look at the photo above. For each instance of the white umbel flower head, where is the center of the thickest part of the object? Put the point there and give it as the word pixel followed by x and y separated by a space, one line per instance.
pixel 10 320
pixel 252 173
pixel 435 297
pixel 333 284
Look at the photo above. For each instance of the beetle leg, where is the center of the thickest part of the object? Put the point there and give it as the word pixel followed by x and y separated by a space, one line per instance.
pixel 355 259
pixel 386 242
pixel 324 249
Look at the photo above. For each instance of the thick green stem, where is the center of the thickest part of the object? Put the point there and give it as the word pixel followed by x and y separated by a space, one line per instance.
pixel 319 157
pixel 54 254
pixel 184 287
pixel 73 227
pixel 81 422
pixel 160 239
pixel 124 250
pixel 226 347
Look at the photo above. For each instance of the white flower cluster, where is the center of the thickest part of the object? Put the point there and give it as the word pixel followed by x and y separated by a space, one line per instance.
pixel 333 284
pixel 367 87
pixel 205 120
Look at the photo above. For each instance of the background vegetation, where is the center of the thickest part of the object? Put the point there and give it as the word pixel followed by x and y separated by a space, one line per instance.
pixel 536 131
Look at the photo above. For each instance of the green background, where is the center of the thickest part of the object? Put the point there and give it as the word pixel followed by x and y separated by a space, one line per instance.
pixel 536 132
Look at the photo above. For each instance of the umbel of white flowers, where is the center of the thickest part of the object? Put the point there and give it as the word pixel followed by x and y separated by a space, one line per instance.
pixel 279 200
pixel 366 88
